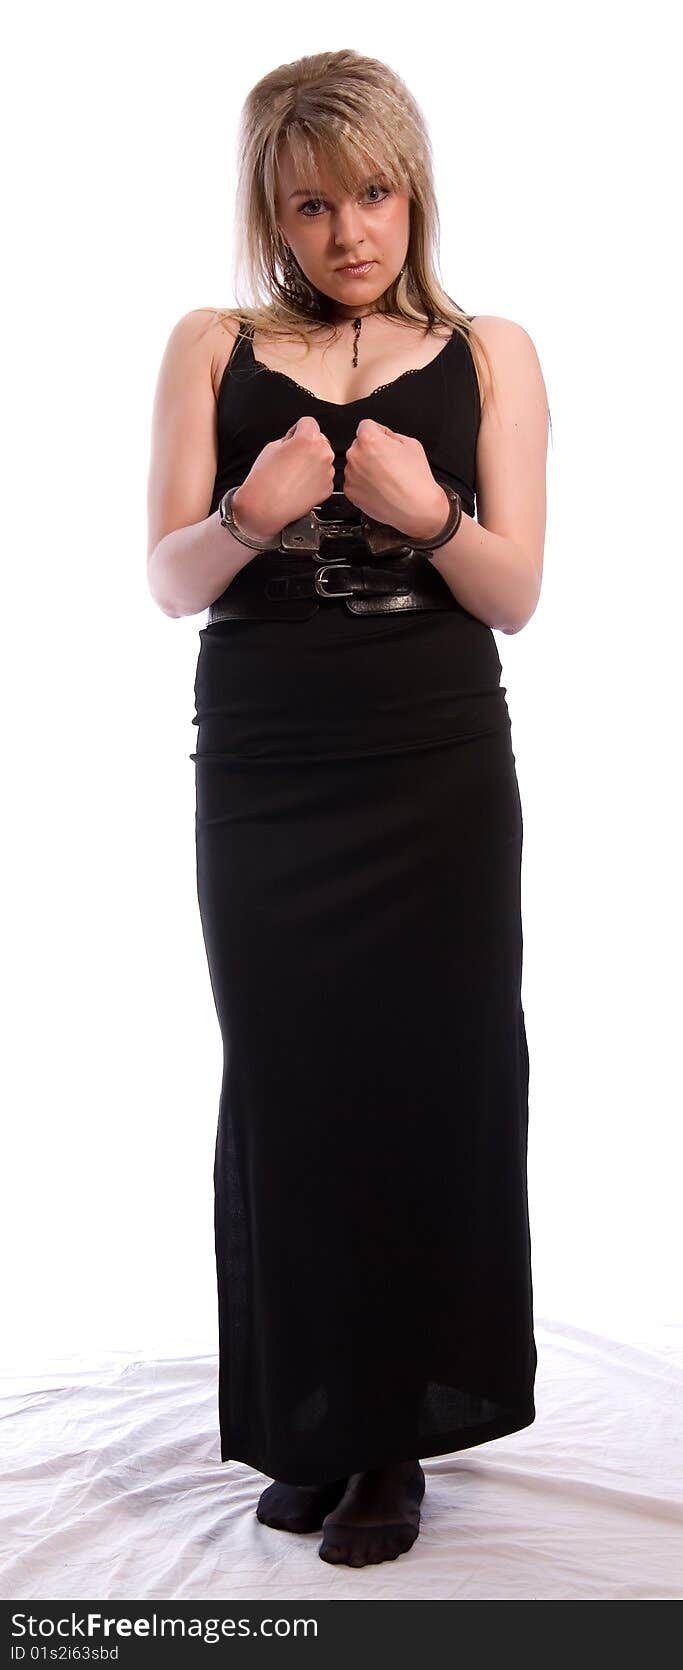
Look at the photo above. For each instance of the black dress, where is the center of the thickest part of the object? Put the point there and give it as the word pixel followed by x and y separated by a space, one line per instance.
pixel 359 842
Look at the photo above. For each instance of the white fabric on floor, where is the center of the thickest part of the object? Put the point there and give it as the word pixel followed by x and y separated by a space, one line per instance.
pixel 112 1488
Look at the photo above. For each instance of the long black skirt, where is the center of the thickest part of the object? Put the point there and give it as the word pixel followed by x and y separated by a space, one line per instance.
pixel 359 843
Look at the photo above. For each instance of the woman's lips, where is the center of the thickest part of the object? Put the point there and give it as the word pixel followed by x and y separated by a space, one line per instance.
pixel 356 272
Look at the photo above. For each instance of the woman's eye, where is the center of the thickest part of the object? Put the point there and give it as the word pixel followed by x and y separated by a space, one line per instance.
pixel 374 201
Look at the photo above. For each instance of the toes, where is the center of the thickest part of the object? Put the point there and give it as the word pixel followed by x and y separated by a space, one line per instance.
pixel 331 1552
pixel 297 1507
pixel 376 1551
pixel 365 1549
pixel 276 1509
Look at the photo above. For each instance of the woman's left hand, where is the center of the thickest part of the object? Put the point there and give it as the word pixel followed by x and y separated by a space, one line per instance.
pixel 388 476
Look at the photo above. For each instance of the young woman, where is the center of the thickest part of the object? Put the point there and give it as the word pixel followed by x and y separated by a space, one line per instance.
pixel 359 827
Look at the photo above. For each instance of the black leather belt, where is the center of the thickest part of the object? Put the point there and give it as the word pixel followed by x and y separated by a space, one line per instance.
pixel 279 585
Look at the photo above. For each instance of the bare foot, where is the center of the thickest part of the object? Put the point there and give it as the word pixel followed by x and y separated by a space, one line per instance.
pixel 378 1516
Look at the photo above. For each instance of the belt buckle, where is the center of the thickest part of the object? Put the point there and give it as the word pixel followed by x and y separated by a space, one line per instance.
pixel 320 576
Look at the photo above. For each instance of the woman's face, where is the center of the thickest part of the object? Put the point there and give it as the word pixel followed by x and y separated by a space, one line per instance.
pixel 326 231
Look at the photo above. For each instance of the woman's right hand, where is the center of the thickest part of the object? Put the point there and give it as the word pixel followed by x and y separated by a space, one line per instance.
pixel 289 477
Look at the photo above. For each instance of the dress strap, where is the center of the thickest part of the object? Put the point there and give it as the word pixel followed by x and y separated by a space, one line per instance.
pixel 237 344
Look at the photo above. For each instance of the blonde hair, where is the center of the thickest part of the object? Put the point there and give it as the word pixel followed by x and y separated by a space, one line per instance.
pixel 357 116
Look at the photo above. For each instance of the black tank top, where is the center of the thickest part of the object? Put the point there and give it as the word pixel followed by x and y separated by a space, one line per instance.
pixel 438 403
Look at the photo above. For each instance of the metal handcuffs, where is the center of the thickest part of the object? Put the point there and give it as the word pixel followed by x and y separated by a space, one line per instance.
pixel 304 535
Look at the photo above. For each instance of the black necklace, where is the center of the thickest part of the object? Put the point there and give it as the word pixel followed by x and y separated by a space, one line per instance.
pixel 356 329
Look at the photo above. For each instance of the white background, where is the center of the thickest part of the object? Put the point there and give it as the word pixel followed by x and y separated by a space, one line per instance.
pixel 554 144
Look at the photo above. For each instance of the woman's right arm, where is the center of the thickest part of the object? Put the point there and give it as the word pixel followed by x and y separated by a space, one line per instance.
pixel 190 557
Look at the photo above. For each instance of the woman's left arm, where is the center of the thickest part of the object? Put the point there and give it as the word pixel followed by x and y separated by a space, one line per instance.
pixel 494 565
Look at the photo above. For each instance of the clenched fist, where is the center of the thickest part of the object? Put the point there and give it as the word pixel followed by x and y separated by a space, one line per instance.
pixel 289 477
pixel 388 476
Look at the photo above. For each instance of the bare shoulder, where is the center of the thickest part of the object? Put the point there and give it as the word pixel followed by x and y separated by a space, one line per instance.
pixel 206 335
pixel 515 362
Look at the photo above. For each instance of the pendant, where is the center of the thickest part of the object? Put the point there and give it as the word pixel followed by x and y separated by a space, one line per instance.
pixel 356 326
